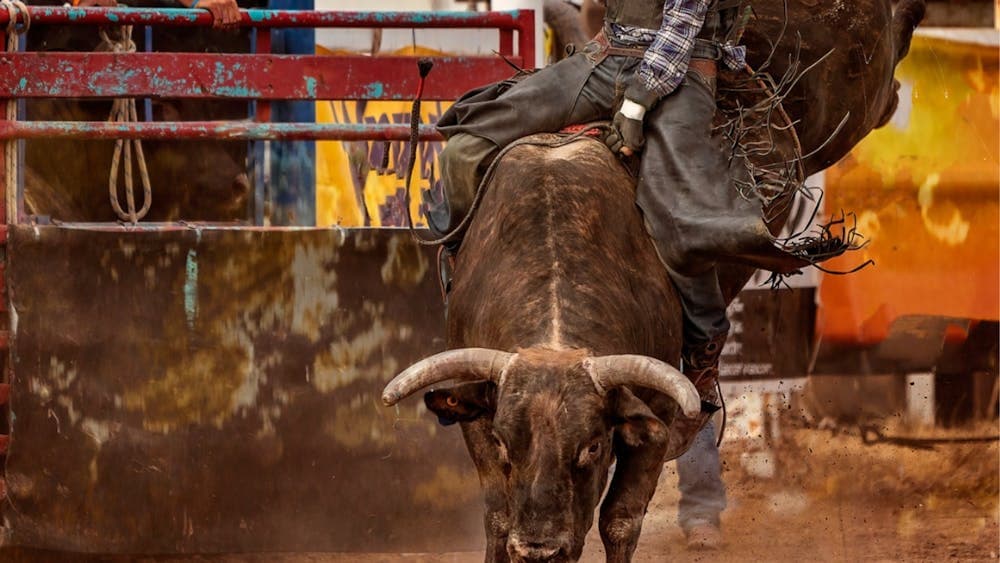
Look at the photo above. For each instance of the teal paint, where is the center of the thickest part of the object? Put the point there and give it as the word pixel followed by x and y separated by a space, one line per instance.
pixel 375 90
pixel 310 86
pixel 191 288
pixel 259 15
pixel 237 91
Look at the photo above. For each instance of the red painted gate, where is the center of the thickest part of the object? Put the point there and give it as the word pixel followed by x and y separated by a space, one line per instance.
pixel 192 387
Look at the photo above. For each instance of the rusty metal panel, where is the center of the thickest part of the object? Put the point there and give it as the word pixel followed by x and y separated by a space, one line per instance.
pixel 218 391
pixel 241 76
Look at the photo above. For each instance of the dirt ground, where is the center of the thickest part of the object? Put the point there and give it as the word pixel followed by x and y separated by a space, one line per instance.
pixel 830 498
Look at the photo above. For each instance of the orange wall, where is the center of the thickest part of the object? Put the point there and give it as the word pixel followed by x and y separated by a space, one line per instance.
pixel 925 189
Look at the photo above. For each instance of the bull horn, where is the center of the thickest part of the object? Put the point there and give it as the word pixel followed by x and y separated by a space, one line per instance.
pixel 463 363
pixel 643 371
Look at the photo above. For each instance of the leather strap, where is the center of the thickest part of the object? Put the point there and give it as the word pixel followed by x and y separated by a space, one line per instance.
pixel 706 49
pixel 704 67
pixel 602 39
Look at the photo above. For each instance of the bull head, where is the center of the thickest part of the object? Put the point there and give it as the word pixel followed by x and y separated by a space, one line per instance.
pixel 543 427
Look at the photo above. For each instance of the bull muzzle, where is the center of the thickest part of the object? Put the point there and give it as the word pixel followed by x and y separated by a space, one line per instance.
pixel 530 550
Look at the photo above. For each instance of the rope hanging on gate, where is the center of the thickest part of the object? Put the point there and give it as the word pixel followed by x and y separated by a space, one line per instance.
pixel 15 10
pixel 123 111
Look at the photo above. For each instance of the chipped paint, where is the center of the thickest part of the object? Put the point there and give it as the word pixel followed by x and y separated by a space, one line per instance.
pixel 191 287
pixel 278 18
pixel 98 430
pixel 375 90
pixel 315 297
pixel 198 388
pixel 404 265
pixel 239 76
pixel 359 358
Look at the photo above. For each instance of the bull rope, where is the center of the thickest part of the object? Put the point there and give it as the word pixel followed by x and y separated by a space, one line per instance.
pixel 123 111
pixel 14 8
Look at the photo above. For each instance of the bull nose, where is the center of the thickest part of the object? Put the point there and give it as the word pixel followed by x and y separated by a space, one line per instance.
pixel 529 550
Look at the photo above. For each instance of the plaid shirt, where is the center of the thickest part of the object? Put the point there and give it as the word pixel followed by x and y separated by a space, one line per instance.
pixel 669 48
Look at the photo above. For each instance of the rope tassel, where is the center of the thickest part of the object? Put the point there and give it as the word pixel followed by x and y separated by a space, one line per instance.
pixel 424 67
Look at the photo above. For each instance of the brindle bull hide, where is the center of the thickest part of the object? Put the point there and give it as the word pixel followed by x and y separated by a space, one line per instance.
pixel 564 332
pixel 553 309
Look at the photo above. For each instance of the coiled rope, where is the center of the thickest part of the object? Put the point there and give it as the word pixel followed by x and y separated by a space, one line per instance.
pixel 123 111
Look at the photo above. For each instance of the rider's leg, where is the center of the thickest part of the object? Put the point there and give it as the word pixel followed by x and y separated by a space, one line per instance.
pixel 683 170
pixel 463 162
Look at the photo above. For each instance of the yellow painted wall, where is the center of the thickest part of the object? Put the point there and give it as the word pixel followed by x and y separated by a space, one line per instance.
pixel 346 170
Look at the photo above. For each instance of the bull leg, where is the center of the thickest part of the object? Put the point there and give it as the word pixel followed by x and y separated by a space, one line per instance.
pixel 637 472
pixel 479 441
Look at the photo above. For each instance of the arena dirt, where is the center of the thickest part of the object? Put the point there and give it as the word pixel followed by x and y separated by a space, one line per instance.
pixel 831 498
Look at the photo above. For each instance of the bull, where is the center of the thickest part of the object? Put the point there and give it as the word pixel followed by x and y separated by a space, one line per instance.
pixel 560 326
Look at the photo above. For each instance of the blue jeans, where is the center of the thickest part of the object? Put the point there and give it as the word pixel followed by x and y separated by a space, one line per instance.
pixel 703 496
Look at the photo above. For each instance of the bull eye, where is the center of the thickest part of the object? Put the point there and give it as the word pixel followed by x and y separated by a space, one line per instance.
pixel 589 454
pixel 451 401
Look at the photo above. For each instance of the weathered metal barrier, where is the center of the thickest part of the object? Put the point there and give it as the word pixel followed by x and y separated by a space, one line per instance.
pixel 193 388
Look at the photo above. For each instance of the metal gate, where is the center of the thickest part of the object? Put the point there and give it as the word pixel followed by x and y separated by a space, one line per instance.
pixel 181 387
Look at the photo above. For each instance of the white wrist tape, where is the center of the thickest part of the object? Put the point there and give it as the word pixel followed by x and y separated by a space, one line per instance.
pixel 632 110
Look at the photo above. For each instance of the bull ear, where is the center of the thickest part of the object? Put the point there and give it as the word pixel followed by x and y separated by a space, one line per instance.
pixel 635 423
pixel 462 403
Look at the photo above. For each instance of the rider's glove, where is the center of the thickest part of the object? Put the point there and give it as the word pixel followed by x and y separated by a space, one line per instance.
pixel 626 128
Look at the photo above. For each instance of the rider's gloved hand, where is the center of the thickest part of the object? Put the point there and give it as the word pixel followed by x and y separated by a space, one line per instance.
pixel 626 128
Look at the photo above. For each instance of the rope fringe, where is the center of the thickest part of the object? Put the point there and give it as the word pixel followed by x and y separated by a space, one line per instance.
pixel 776 181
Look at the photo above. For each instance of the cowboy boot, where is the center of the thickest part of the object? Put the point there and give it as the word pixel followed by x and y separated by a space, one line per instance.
pixel 700 364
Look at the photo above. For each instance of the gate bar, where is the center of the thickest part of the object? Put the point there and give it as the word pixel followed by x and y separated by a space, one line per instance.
pixel 212 130
pixel 241 76
pixel 186 17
